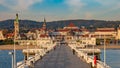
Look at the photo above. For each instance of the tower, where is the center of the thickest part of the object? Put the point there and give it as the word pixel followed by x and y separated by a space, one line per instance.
pixel 16 27
pixel 44 24
pixel 44 27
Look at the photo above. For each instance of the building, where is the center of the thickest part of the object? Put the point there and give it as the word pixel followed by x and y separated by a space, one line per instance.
pixel 86 40
pixel 44 40
pixel 71 26
pixel 9 36
pixel 43 30
pixel 105 33
pixel 84 30
pixel 118 33
pixel 1 35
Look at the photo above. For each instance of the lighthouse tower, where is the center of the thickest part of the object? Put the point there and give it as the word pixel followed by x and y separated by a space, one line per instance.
pixel 16 27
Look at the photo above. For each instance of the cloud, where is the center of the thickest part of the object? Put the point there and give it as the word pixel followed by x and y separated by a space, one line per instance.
pixel 88 15
pixel 75 5
pixel 113 4
pixel 18 4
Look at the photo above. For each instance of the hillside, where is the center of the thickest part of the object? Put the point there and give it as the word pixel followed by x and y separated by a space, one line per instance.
pixel 28 24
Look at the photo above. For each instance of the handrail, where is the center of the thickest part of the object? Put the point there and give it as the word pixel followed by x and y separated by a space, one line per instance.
pixel 89 59
pixel 36 57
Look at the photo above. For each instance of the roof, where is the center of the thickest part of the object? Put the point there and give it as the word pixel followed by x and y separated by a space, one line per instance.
pixel 86 35
pixel 71 25
pixel 63 30
pixel 83 29
pixel 9 35
pixel 44 35
pixel 105 30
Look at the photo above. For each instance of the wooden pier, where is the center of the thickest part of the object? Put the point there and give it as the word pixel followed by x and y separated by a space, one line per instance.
pixel 61 57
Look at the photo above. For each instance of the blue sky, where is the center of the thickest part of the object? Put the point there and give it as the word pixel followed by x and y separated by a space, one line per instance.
pixel 54 10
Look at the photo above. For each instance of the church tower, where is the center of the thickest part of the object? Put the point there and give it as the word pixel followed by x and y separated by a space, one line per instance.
pixel 44 29
pixel 16 27
pixel 44 25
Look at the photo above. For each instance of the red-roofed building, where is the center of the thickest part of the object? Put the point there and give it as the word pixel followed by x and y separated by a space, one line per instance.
pixel 71 26
pixel 84 31
pixel 105 32
pixel 9 35
pixel 44 39
pixel 67 29
pixel 63 31
pixel 44 36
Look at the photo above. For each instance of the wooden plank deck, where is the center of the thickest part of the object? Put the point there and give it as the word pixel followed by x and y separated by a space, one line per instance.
pixel 61 57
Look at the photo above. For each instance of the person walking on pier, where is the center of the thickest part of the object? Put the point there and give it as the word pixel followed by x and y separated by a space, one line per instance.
pixel 95 61
pixel 73 51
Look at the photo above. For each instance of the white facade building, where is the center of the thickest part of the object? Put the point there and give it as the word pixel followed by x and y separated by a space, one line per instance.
pixel 118 33
pixel 105 33
pixel 1 35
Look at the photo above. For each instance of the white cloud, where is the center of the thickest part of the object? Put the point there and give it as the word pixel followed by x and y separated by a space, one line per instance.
pixel 113 4
pixel 88 15
pixel 18 4
pixel 108 2
pixel 75 5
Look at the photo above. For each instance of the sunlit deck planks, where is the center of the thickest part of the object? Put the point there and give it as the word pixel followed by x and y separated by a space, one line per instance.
pixel 62 57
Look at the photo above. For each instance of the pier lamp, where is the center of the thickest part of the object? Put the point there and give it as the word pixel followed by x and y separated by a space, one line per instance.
pixel 28 50
pixel 91 32
pixel 104 50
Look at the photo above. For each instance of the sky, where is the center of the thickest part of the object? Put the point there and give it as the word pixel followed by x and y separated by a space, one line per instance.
pixel 54 10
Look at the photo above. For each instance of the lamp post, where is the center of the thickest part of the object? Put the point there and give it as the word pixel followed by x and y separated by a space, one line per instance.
pixel 104 50
pixel 27 50
pixel 94 57
pixel 12 54
pixel 92 30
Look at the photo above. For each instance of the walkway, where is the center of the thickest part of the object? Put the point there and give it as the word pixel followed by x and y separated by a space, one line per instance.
pixel 62 57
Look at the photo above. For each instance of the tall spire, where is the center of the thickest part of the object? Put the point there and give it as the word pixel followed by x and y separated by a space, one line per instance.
pixel 44 20
pixel 44 23
pixel 16 18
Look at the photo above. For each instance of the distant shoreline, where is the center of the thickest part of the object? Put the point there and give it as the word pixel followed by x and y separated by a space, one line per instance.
pixel 21 47
pixel 108 47
pixel 18 47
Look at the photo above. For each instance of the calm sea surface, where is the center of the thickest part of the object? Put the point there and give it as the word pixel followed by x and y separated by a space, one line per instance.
pixel 5 58
pixel 112 58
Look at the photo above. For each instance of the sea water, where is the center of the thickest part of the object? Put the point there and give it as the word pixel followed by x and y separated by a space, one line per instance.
pixel 6 58
pixel 112 57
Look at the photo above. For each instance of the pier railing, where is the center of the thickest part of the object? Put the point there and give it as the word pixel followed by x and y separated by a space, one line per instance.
pixel 28 62
pixel 31 60
pixel 89 59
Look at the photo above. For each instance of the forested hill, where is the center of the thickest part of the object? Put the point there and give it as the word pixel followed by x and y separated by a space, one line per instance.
pixel 28 24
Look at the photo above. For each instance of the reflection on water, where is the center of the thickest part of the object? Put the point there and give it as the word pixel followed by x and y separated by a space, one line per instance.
pixel 112 57
pixel 5 58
